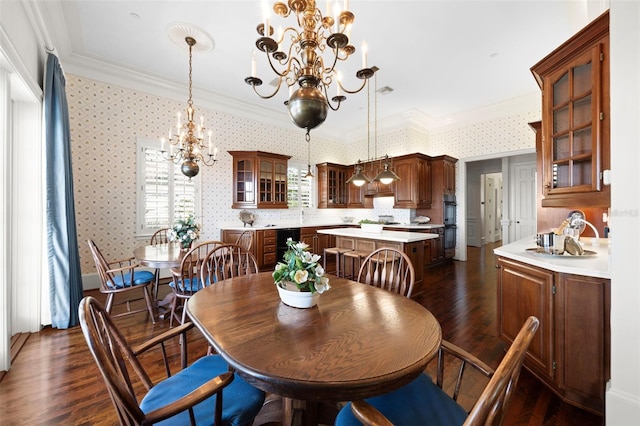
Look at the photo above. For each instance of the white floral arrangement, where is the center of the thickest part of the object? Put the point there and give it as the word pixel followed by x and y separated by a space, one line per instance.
pixel 301 268
pixel 184 231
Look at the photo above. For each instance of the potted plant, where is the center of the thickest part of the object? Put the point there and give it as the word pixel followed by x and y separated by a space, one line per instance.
pixel 300 278
pixel 184 231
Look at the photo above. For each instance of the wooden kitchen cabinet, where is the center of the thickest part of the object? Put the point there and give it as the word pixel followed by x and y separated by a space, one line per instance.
pixel 335 192
pixel 436 247
pixel 332 185
pixel 356 198
pixel 263 247
pixel 443 176
pixel 570 352
pixel 266 248
pixel 259 180
pixel 375 188
pixel 574 80
pixel 317 242
pixel 413 190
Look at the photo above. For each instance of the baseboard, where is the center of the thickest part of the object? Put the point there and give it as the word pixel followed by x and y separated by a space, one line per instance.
pixel 90 281
pixel 622 408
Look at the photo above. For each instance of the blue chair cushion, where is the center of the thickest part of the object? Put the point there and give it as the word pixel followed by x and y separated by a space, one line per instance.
pixel 241 402
pixel 139 277
pixel 418 403
pixel 189 285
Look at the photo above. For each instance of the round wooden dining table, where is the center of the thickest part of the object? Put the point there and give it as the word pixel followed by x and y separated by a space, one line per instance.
pixel 160 256
pixel 359 341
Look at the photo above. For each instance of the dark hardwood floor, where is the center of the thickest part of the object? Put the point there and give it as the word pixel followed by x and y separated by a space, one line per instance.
pixel 54 381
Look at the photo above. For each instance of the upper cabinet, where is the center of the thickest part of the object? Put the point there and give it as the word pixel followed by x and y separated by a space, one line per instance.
pixel 332 185
pixel 259 180
pixel 443 175
pixel 375 188
pixel 413 190
pixel 424 183
pixel 574 80
pixel 333 190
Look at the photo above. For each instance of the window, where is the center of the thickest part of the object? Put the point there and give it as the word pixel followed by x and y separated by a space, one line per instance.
pixel 299 187
pixel 164 194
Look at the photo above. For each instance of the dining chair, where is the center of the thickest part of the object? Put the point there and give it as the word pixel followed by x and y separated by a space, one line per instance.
pixel 200 393
pixel 186 279
pixel 161 236
pixel 245 239
pixel 227 261
pixel 122 276
pixel 423 402
pixel 389 269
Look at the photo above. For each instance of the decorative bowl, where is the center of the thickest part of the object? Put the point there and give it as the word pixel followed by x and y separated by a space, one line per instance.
pixel 372 227
pixel 421 219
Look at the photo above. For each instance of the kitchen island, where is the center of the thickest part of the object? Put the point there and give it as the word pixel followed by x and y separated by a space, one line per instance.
pixel 411 243
pixel 570 295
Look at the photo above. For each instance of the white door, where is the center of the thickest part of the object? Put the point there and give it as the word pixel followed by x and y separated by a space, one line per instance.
pixel 524 196
pixel 489 209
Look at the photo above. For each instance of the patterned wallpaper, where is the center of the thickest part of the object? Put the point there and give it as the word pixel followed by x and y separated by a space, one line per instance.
pixel 106 120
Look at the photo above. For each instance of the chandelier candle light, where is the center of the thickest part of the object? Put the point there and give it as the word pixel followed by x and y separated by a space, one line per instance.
pixel 189 136
pixel 296 57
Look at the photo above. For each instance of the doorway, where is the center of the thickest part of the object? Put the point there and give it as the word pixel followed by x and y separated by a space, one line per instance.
pixel 469 174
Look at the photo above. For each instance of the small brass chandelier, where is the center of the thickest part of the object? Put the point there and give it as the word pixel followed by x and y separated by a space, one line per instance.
pixel 189 136
pixel 300 60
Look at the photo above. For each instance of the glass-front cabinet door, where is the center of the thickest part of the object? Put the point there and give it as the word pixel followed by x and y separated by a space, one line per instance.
pixel 280 179
pixel 259 180
pixel 266 181
pixel 575 119
pixel 575 107
pixel 244 194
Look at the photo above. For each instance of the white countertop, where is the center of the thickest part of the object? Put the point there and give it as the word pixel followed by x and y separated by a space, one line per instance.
pixel 312 224
pixel 590 266
pixel 395 236
pixel 416 226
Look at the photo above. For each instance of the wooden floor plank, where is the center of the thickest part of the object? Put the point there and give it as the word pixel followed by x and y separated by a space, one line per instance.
pixel 54 379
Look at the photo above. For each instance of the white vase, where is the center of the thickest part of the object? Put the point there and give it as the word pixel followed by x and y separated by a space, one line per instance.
pixel 296 298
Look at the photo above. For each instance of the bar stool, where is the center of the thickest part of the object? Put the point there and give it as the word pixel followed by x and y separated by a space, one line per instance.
pixel 356 257
pixel 338 252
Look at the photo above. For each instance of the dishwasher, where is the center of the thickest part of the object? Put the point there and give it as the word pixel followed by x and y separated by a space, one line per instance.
pixel 281 240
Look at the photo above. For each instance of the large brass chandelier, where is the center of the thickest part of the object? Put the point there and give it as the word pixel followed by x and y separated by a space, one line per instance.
pixel 296 57
pixel 189 137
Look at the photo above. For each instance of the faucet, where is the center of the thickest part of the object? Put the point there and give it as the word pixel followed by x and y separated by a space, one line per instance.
pixel 594 241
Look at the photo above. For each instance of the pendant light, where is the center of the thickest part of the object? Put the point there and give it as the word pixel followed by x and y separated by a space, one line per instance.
pixel 308 139
pixel 386 176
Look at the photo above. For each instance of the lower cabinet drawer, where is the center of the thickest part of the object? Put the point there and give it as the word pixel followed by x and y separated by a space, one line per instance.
pixel 269 249
pixel 269 258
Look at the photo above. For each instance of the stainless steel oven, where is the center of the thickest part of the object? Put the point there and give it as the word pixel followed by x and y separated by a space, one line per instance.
pixel 449 209
pixel 450 237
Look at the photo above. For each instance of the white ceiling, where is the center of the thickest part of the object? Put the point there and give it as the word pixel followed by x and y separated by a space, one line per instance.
pixel 441 58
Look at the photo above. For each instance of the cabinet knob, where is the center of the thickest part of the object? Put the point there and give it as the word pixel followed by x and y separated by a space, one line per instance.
pixel 497 266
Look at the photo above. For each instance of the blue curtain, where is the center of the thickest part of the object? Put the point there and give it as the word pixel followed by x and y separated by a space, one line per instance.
pixel 62 241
